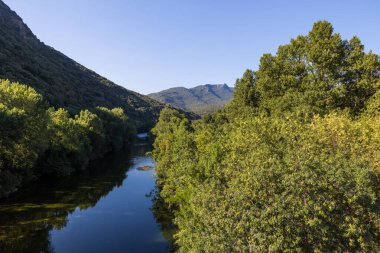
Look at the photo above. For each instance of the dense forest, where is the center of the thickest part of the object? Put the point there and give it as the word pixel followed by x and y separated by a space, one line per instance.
pixel 291 164
pixel 40 141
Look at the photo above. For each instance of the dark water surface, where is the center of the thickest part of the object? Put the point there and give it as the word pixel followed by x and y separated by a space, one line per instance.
pixel 105 209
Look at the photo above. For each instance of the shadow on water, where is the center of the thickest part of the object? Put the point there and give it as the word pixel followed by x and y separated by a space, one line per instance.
pixel 27 218
pixel 164 216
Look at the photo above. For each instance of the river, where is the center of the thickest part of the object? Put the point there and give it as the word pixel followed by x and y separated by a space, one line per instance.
pixel 107 208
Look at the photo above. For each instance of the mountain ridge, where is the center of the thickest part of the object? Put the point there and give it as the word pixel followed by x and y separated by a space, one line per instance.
pixel 62 81
pixel 201 99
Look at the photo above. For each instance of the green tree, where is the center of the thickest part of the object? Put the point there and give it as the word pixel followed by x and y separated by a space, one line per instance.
pixel 118 130
pixel 23 134
pixel 69 145
pixel 317 73
pixel 35 140
pixel 283 186
pixel 93 128
pixel 292 164
pixel 174 152
pixel 244 93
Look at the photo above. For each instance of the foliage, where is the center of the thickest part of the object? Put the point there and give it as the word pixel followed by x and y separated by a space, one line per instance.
pixel 69 145
pixel 35 140
pixel 317 73
pixel 117 127
pixel 29 216
pixel 290 165
pixel 173 151
pixel 23 132
pixel 244 94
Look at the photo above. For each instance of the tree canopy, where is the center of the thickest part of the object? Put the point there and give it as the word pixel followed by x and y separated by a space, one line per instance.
pixel 37 140
pixel 290 165
pixel 317 73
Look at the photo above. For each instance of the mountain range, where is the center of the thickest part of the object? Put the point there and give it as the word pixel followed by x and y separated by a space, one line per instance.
pixel 62 81
pixel 202 99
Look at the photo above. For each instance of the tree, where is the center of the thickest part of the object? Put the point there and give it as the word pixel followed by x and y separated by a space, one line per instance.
pixel 23 134
pixel 244 93
pixel 69 145
pixel 290 165
pixel 174 152
pixel 118 129
pixel 317 73
pixel 93 127
pixel 35 140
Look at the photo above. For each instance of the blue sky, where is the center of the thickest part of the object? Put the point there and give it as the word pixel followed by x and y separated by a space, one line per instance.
pixel 150 45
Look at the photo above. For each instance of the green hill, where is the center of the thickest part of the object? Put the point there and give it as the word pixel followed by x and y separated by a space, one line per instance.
pixel 201 99
pixel 62 81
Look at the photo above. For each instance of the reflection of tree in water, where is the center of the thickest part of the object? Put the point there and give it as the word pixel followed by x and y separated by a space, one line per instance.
pixel 164 217
pixel 27 218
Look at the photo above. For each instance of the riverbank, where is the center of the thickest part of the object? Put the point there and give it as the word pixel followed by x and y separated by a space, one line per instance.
pixel 72 214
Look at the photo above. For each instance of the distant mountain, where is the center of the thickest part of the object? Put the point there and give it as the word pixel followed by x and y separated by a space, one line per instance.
pixel 61 80
pixel 201 99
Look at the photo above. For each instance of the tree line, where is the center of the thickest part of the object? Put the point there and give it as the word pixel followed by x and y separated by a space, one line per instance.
pixel 291 164
pixel 36 140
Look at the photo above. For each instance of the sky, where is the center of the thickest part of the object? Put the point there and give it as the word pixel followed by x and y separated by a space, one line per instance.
pixel 151 45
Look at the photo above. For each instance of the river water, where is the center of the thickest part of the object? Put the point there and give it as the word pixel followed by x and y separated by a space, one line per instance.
pixel 107 208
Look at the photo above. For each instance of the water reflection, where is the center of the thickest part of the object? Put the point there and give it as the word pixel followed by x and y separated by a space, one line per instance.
pixel 42 218
pixel 164 217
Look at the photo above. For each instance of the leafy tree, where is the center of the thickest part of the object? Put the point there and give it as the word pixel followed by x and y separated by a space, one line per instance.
pixel 292 164
pixel 173 150
pixel 23 134
pixel 118 130
pixel 317 73
pixel 244 94
pixel 373 105
pixel 297 189
pixel 69 145
pixel 93 127
pixel 35 140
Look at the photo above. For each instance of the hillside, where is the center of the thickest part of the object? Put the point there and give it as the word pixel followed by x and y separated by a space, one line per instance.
pixel 61 80
pixel 200 99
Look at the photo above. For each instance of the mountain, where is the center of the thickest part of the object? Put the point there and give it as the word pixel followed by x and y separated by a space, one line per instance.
pixel 201 99
pixel 62 81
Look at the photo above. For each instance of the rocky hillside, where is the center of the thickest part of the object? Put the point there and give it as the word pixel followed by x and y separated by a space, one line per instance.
pixel 61 80
pixel 201 99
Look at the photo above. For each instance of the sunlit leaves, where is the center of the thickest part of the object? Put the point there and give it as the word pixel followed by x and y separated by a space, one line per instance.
pixel 36 140
pixel 291 165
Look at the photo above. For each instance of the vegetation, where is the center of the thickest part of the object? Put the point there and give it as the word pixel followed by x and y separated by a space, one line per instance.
pixel 290 165
pixel 202 99
pixel 63 82
pixel 36 140
pixel 28 217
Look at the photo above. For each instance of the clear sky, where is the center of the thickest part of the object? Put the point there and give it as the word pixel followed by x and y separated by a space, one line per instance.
pixel 150 45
